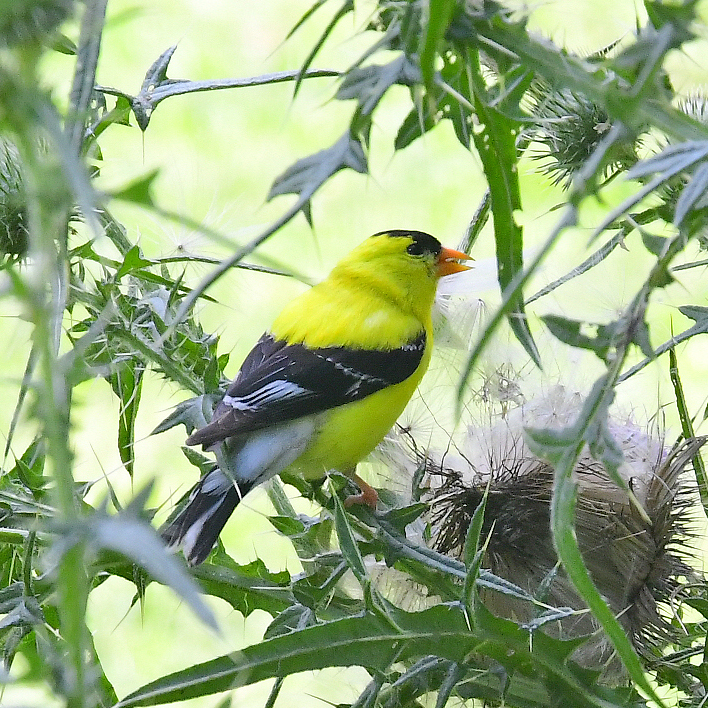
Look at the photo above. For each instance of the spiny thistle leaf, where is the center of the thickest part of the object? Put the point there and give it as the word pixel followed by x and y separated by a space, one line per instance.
pixel 371 642
pixel 310 173
pixel 13 209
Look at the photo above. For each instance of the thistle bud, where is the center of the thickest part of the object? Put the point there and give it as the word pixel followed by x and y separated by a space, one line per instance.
pixel 13 211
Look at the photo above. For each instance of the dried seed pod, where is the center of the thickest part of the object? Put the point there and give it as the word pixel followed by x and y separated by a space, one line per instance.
pixel 639 561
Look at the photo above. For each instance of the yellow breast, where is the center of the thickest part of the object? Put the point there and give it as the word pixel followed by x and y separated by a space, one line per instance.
pixel 349 433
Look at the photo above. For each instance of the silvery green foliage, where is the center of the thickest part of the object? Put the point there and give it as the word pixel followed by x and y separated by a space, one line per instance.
pixel 119 320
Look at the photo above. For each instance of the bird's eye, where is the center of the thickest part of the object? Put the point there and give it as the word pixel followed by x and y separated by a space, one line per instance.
pixel 416 249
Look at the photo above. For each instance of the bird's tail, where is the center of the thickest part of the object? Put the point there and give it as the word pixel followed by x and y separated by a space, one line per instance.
pixel 197 526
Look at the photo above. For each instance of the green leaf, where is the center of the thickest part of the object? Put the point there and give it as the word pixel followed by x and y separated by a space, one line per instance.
pixel 607 339
pixel 364 641
pixel 29 468
pixel 246 587
pixel 157 73
pixel 473 554
pixel 400 517
pixel 308 14
pixel 413 126
pixel 311 537
pixel 679 16
pixel 287 525
pixel 24 612
pixel 62 44
pixel 135 539
pixel 347 542
pixel 438 19
pixel 656 245
pixel 82 86
pixel 373 643
pixel 452 677
pixel 192 413
pixel 369 83
pixel 426 675
pixel 292 619
pixel 695 312
pixel 699 467
pixel 139 190
pixel 496 144
pixel 597 257
pixel 132 261
pixel 562 518
pixel 203 463
pixel 31 477
pixel 155 76
pixel 590 427
pixel 601 442
pixel 307 175
pixel 672 160
pixel 346 7
pixel 550 444
pixel 317 589
pixel 127 383
pixel 400 549
pixel 570 332
pixel 699 604
pixel 692 195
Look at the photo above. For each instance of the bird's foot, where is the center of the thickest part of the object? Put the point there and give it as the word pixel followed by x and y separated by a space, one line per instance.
pixel 368 496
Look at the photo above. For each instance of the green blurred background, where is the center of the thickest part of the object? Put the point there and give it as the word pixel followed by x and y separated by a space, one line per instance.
pixel 217 154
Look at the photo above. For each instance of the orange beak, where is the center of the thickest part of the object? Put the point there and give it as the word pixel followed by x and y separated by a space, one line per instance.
pixel 447 262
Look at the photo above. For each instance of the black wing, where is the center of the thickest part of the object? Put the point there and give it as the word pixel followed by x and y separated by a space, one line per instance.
pixel 280 382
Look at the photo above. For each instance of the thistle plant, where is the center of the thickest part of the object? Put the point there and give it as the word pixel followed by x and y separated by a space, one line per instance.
pixel 101 312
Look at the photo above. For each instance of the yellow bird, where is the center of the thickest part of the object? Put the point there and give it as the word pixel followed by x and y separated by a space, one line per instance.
pixel 322 388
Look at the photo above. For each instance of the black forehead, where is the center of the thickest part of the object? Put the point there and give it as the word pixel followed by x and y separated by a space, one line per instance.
pixel 425 241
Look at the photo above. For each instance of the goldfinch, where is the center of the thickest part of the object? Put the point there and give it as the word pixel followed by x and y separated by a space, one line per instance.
pixel 322 388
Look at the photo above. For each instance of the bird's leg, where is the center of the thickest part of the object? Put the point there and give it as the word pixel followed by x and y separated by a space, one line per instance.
pixel 368 496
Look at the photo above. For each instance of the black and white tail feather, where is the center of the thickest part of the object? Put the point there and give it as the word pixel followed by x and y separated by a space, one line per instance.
pixel 197 526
